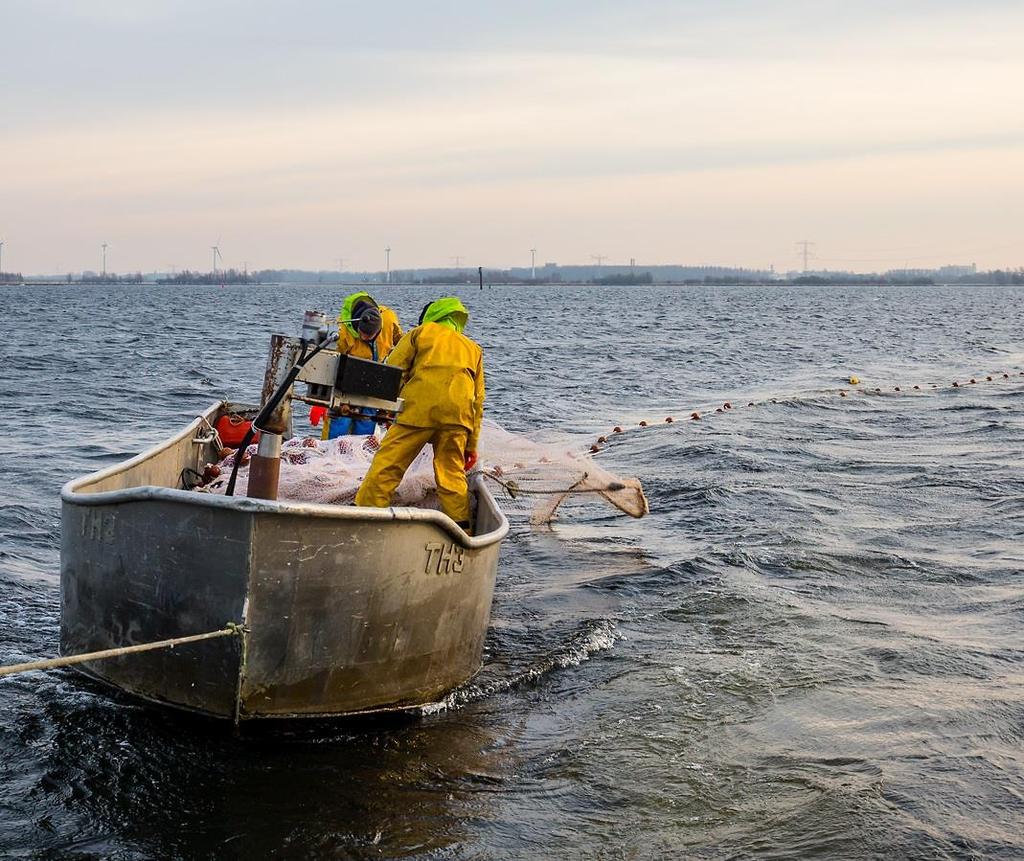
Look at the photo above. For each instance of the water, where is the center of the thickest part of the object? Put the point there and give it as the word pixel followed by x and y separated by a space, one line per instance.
pixel 811 648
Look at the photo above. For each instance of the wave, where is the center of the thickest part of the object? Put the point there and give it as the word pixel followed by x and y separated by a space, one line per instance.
pixel 592 636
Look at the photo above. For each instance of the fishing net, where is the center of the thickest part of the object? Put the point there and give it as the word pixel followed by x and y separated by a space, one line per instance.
pixel 527 477
pixel 535 478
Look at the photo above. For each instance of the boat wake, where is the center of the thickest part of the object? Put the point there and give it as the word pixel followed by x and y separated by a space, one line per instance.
pixel 593 636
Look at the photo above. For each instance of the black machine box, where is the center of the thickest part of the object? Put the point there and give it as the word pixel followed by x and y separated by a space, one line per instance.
pixel 369 379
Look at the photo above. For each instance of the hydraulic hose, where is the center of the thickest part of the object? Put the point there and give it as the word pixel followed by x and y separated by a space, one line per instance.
pixel 268 408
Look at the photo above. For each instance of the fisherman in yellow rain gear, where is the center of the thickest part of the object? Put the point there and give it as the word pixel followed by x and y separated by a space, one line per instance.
pixel 443 389
pixel 366 330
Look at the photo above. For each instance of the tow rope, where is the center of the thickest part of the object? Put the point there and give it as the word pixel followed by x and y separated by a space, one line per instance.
pixel 229 630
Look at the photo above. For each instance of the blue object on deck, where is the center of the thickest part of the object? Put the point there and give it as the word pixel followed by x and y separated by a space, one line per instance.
pixel 347 425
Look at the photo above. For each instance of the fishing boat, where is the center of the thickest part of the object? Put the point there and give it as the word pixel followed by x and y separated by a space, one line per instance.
pixel 338 610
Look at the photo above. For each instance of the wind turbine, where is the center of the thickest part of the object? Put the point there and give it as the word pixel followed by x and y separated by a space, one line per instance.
pixel 104 261
pixel 1 257
pixel 533 264
pixel 216 253
pixel 387 261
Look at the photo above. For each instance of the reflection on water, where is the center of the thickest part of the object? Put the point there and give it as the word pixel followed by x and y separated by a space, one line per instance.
pixel 810 648
pixel 176 787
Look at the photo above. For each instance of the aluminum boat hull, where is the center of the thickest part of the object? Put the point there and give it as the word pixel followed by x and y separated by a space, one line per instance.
pixel 345 610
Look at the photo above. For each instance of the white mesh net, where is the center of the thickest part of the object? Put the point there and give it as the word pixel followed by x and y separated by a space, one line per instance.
pixel 527 477
pixel 537 477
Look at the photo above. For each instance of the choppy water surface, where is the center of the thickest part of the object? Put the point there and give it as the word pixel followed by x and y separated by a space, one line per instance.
pixel 812 647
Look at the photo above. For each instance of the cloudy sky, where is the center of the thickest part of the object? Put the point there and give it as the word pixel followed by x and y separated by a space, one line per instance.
pixel 718 132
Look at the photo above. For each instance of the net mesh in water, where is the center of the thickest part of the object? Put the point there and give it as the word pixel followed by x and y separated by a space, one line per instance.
pixel 535 478
pixel 527 477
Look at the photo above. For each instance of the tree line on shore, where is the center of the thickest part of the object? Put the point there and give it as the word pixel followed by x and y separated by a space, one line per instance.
pixel 225 276
pixel 998 277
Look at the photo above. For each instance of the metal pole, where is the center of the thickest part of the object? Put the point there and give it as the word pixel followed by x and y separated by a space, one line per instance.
pixel 265 467
pixel 805 245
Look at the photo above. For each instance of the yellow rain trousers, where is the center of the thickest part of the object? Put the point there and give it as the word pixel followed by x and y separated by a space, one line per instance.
pixel 444 404
pixel 400 446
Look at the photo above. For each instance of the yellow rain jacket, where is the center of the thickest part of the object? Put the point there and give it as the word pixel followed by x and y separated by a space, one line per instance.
pixel 443 390
pixel 350 344
pixel 444 380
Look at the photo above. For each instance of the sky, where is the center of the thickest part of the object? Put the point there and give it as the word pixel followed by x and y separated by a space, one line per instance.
pixel 891 135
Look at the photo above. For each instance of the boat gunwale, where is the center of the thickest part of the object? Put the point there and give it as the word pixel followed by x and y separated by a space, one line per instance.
pixel 70 494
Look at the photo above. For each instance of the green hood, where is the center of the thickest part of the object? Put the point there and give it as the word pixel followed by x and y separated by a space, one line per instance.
pixel 346 310
pixel 448 311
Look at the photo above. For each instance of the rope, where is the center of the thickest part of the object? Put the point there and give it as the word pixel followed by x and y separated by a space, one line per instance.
pixel 190 479
pixel 230 630
pixel 214 433
pixel 513 488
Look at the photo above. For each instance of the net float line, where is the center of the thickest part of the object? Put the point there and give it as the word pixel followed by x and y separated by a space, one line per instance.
pixel 853 381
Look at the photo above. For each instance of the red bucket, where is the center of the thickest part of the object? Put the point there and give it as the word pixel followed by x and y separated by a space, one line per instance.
pixel 233 428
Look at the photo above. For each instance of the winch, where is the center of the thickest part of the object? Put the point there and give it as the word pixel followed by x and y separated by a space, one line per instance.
pixel 342 384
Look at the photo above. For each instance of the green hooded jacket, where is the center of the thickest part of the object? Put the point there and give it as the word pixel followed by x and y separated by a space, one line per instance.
pixel 346 310
pixel 449 312
pixel 443 384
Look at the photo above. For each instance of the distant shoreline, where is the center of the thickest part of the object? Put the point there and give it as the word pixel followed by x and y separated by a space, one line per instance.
pixel 1014 282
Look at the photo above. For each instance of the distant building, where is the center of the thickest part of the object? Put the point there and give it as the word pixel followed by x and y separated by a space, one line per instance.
pixel 953 271
pixel 905 274
pixel 552 272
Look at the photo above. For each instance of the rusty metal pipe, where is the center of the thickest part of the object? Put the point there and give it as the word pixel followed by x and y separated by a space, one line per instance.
pixel 265 468
pixel 287 357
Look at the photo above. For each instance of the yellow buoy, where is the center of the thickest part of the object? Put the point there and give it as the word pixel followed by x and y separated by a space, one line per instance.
pixel 854 381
